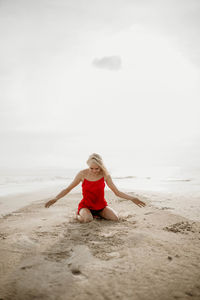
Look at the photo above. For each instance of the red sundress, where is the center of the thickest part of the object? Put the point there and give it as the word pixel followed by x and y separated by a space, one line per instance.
pixel 93 195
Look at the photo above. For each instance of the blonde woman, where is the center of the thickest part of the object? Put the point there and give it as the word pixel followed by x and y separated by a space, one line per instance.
pixel 93 181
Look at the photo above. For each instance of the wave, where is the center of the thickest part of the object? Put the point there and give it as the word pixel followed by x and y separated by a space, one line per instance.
pixel 124 177
pixel 178 179
pixel 30 179
pixel 154 178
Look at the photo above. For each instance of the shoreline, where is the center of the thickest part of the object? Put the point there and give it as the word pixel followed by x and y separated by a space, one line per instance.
pixel 150 253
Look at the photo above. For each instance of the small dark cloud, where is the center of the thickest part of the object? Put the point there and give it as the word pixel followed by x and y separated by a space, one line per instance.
pixel 113 63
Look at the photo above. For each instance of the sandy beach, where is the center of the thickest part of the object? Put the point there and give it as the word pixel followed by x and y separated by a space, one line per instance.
pixel 150 253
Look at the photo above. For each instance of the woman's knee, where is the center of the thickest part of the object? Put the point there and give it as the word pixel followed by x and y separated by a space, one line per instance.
pixel 87 219
pixel 113 217
pixel 109 214
pixel 85 215
pixel 84 219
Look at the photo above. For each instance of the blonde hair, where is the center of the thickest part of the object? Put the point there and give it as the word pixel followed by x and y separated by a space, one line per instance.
pixel 97 159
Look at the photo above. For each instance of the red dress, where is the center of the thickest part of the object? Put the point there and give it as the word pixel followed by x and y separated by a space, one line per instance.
pixel 93 195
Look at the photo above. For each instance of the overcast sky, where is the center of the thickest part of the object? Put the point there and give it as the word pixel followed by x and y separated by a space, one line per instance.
pixel 117 77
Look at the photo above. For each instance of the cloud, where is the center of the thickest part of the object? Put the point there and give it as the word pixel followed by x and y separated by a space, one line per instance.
pixel 113 63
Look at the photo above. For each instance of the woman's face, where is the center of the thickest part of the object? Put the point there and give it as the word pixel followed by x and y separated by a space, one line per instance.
pixel 94 168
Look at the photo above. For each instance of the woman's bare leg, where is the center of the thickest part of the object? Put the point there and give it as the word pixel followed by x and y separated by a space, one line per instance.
pixel 109 214
pixel 84 215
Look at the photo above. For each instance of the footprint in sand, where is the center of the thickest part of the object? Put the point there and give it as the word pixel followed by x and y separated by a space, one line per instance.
pixel 80 256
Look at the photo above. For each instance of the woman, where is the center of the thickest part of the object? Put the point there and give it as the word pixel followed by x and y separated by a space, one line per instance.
pixel 93 203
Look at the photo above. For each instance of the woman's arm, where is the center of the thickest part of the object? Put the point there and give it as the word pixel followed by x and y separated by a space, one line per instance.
pixel 64 192
pixel 120 194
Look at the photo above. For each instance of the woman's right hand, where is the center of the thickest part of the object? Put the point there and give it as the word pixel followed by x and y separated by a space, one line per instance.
pixel 51 202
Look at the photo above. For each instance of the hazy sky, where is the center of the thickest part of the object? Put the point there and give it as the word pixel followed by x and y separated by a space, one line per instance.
pixel 116 77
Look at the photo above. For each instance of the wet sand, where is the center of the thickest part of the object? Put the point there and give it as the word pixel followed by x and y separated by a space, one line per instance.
pixel 149 254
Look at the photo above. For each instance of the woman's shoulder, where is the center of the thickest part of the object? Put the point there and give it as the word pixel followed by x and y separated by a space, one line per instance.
pixel 107 176
pixel 83 173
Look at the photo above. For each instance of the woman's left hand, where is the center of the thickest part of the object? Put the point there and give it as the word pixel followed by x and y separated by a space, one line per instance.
pixel 138 202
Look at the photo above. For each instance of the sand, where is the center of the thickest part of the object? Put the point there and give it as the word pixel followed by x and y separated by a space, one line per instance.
pixel 150 253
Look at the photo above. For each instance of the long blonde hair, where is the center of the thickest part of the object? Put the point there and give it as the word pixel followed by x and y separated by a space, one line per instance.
pixel 97 159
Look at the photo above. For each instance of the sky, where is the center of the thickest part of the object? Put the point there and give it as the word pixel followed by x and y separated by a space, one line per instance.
pixel 115 77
